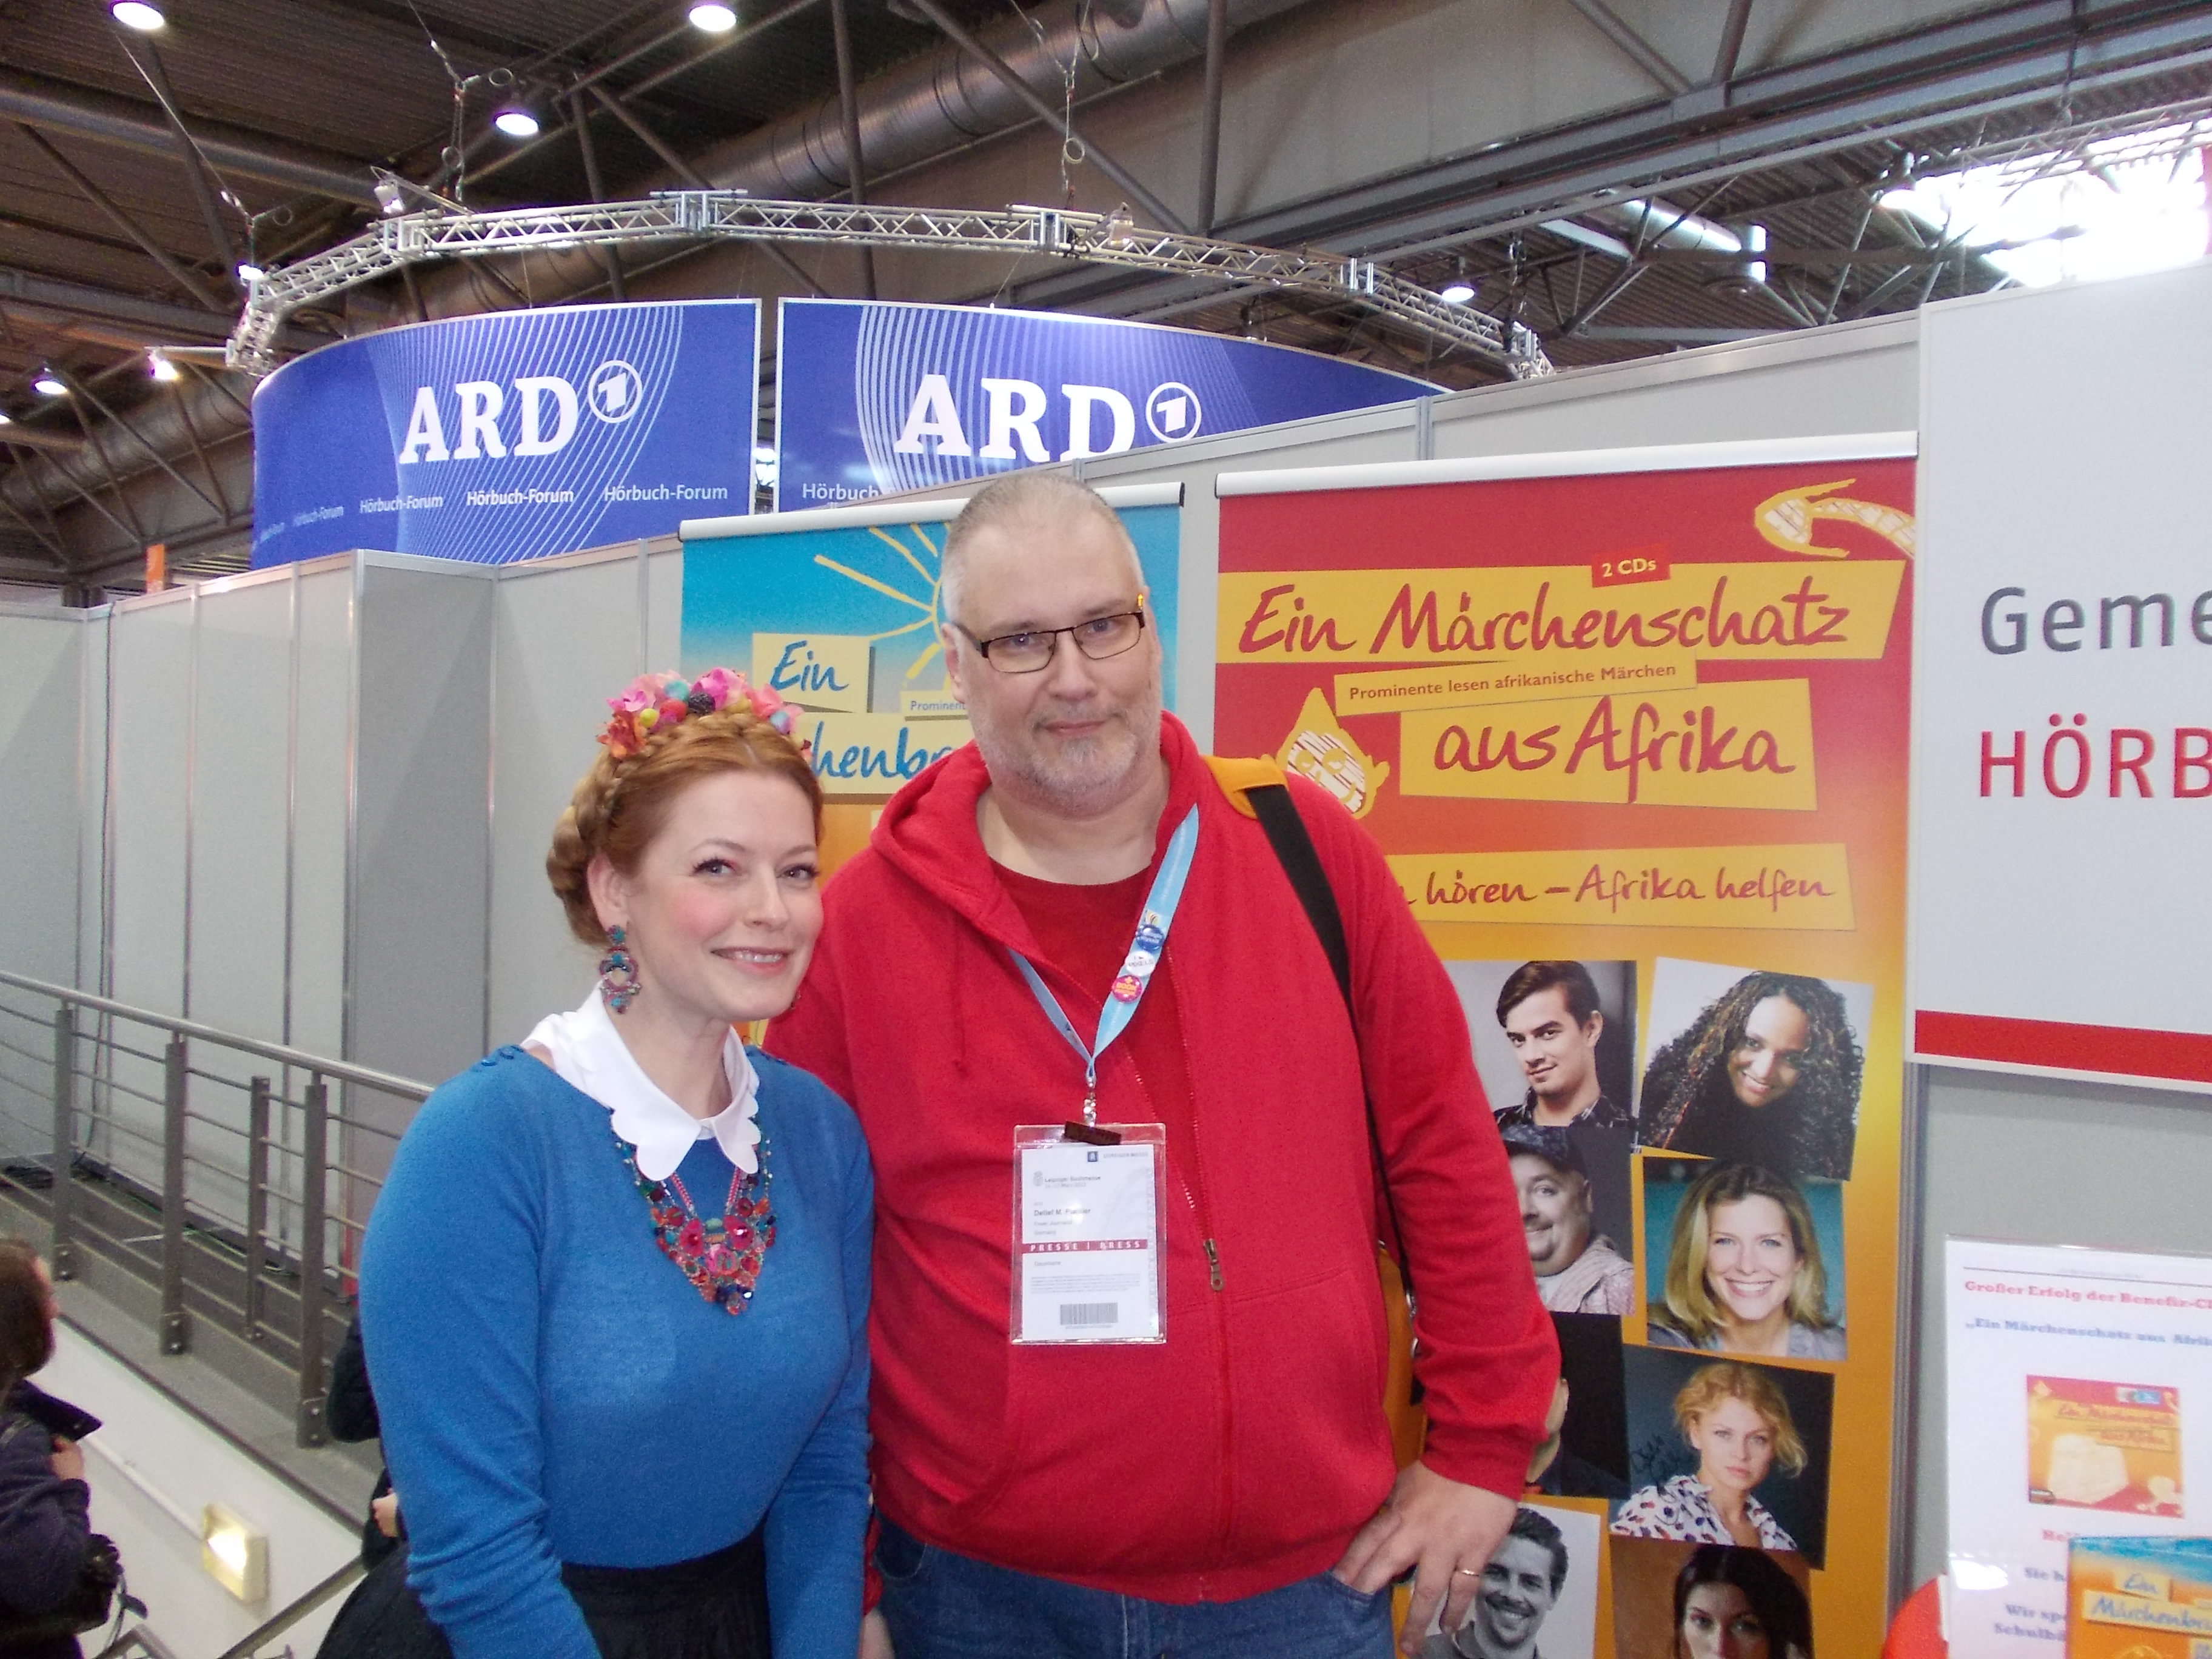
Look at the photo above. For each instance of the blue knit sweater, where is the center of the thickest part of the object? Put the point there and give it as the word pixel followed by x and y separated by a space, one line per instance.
pixel 553 1389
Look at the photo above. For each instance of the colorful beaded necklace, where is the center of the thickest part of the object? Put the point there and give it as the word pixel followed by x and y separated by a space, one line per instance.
pixel 722 1256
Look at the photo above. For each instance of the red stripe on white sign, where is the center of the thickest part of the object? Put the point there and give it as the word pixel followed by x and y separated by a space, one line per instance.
pixel 2182 1056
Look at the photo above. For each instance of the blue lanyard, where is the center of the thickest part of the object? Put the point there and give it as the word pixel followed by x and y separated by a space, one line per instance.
pixel 1152 938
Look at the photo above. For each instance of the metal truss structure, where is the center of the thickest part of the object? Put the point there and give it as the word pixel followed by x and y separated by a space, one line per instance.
pixel 1092 238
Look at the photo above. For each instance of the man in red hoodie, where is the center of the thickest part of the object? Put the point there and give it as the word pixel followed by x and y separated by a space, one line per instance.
pixel 1227 1487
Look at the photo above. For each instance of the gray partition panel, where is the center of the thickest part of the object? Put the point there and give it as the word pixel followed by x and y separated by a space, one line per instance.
pixel 321 789
pixel 2046 1162
pixel 240 786
pixel 150 762
pixel 570 637
pixel 420 841
pixel 40 668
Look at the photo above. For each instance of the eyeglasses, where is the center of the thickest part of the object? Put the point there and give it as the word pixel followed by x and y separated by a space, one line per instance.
pixel 1031 650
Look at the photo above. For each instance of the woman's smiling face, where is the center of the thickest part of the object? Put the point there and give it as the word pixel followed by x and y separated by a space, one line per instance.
pixel 1762 1068
pixel 1751 1257
pixel 723 910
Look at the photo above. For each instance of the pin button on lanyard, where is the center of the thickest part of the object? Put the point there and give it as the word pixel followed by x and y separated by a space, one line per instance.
pixel 1129 985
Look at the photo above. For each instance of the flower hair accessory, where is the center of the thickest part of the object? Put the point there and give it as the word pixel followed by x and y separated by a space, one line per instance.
pixel 653 702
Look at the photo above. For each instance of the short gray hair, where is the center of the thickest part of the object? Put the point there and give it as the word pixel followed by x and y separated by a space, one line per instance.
pixel 1031 499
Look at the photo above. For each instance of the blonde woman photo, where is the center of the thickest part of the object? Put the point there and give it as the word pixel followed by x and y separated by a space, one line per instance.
pixel 1744 1273
pixel 1738 1424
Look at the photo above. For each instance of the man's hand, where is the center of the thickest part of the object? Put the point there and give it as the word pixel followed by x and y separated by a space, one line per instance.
pixel 875 1638
pixel 384 1511
pixel 68 1460
pixel 1443 1530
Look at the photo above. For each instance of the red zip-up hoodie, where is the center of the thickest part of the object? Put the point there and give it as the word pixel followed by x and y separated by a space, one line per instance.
pixel 1242 1453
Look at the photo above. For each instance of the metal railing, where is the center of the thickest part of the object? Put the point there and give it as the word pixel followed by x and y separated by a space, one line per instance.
pixel 200 1164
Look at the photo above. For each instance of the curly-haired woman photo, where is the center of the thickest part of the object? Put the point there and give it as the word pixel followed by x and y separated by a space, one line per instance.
pixel 1744 1273
pixel 1768 1074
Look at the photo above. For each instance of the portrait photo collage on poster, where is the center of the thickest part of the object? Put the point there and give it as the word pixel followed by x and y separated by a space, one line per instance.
pixel 1654 825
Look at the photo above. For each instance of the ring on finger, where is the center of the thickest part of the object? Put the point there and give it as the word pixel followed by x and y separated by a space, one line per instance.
pixel 1472 1572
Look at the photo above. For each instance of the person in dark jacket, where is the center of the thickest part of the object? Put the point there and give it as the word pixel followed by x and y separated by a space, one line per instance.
pixel 381 1619
pixel 350 1414
pixel 45 1523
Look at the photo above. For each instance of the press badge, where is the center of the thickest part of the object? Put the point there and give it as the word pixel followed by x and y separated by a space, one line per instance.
pixel 1089 1216
pixel 1089 1224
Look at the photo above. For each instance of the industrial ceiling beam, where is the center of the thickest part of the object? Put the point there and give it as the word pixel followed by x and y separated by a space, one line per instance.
pixel 1633 45
pixel 55 107
pixel 32 437
pixel 1209 116
pixel 205 182
pixel 960 37
pixel 1985 64
pixel 690 175
pixel 38 497
pixel 1982 65
pixel 160 320
pixel 60 552
pixel 848 114
pixel 1731 46
pixel 81 390
pixel 593 80
pixel 581 119
pixel 199 450
pixel 123 222
pixel 133 530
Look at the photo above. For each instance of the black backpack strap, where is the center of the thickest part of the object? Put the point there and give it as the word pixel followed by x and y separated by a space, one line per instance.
pixel 1301 861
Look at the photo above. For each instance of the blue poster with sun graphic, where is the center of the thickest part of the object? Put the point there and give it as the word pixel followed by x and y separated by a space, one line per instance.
pixel 839 614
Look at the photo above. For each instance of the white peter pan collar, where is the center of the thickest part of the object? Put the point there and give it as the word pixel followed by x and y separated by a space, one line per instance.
pixel 588 1053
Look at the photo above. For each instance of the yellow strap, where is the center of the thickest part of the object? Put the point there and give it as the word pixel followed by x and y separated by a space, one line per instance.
pixel 1236 775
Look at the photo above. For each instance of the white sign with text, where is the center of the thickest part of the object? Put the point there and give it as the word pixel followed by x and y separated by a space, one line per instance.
pixel 2061 790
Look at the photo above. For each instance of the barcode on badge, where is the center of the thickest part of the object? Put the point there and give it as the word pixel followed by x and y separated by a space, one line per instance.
pixel 1076 1314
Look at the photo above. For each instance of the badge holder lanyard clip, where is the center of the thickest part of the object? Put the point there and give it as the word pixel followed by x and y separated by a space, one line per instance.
pixel 1089 1218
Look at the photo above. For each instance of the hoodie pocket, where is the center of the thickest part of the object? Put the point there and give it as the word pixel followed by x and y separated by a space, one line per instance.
pixel 1310 1446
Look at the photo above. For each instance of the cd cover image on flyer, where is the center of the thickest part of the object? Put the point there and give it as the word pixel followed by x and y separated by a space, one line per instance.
pixel 2103 1445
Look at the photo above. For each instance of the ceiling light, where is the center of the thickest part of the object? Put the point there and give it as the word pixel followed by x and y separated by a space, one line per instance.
pixel 515 120
pixel 6 419
pixel 137 15
pixel 713 18
pixel 161 368
pixel 250 272
pixel 1456 293
pixel 49 384
pixel 389 196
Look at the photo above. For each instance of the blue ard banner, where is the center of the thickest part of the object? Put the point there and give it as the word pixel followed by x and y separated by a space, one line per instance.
pixel 511 436
pixel 874 397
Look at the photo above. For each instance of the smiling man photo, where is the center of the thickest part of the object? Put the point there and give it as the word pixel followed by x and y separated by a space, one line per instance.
pixel 1520 1587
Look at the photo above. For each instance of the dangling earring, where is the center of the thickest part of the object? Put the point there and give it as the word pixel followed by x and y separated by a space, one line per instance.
pixel 617 974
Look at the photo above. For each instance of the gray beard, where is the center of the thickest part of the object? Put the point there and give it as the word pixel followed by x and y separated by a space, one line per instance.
pixel 1084 783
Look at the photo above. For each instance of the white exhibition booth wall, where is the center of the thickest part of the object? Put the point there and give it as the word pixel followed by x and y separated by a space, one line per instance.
pixel 319 811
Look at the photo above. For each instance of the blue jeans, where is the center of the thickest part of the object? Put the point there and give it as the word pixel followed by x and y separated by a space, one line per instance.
pixel 943 1606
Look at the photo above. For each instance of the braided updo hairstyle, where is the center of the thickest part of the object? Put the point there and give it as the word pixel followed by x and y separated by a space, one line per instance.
pixel 621 802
